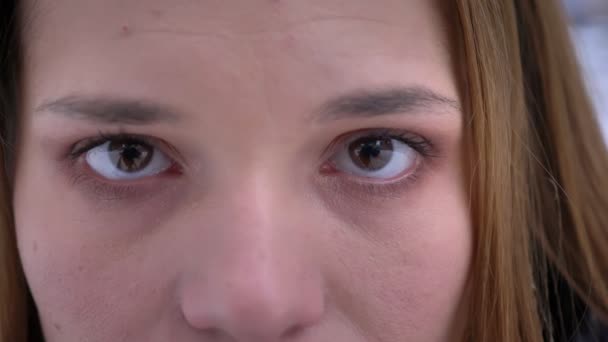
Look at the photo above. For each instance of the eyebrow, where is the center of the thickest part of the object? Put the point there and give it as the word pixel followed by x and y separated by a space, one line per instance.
pixel 110 110
pixel 360 103
pixel 378 102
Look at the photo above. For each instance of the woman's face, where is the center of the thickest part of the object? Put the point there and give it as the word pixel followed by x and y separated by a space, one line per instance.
pixel 243 170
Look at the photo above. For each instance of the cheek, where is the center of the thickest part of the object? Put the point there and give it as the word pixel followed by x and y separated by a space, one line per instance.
pixel 89 289
pixel 85 280
pixel 407 281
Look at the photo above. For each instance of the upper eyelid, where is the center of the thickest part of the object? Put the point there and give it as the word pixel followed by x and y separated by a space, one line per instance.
pixel 376 132
pixel 84 145
pixel 92 142
pixel 400 134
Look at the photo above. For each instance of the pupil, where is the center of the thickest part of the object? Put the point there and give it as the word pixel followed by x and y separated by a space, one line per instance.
pixel 130 156
pixel 370 150
pixel 130 152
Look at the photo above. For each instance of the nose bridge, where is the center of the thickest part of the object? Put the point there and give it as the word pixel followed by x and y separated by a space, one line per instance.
pixel 255 221
pixel 262 283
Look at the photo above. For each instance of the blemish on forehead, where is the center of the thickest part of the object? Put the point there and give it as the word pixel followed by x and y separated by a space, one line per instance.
pixel 125 30
pixel 156 13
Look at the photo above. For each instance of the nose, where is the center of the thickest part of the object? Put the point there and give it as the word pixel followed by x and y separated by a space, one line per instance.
pixel 252 310
pixel 259 281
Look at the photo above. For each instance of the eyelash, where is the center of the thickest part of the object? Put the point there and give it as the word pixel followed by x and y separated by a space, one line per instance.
pixel 120 190
pixel 82 147
pixel 419 143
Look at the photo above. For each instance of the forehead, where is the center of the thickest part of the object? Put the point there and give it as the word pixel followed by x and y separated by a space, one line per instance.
pixel 235 16
pixel 361 25
pixel 185 48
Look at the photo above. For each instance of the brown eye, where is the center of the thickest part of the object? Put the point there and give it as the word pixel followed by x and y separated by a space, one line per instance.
pixel 130 156
pixel 371 153
pixel 127 159
pixel 375 157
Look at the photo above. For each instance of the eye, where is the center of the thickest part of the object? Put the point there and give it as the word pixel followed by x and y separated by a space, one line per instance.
pixel 126 159
pixel 377 156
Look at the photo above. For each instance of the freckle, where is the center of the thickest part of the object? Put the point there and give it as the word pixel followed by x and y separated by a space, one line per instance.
pixel 125 30
pixel 35 246
pixel 80 268
pixel 57 327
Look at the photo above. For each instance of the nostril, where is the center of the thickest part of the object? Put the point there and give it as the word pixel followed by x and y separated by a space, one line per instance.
pixel 213 333
pixel 261 304
pixel 293 332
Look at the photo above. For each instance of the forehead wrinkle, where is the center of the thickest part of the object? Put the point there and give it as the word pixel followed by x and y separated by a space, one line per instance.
pixel 281 18
pixel 127 31
pixel 178 32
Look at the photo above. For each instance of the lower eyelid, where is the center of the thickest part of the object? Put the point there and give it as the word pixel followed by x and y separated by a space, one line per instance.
pixel 89 183
pixel 356 187
pixel 362 190
pixel 104 191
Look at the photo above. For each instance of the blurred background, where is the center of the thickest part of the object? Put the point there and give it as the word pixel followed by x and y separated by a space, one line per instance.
pixel 589 21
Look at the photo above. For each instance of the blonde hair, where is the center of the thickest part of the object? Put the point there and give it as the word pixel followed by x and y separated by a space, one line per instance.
pixel 539 190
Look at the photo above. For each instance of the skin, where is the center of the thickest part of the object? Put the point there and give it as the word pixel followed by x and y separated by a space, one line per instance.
pixel 252 238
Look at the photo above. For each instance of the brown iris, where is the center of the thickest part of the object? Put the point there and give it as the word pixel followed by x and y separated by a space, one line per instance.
pixel 130 156
pixel 371 153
